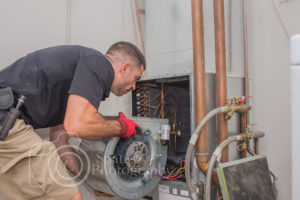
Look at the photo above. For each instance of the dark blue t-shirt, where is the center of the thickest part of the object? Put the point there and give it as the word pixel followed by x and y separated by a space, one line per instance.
pixel 47 76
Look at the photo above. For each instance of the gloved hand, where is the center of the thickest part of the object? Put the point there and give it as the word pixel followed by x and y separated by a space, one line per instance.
pixel 127 126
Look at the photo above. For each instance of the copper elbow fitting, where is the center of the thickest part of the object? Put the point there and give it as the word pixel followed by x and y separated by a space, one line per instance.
pixel 203 166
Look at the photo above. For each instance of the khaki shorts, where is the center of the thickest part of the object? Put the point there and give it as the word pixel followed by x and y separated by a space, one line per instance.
pixel 30 168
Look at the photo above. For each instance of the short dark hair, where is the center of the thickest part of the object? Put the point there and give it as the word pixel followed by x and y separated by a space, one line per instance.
pixel 130 50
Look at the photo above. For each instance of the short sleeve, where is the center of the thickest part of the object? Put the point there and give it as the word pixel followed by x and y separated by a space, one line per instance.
pixel 92 79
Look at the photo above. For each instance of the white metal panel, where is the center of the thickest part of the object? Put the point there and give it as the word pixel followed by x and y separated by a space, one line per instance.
pixel 168 43
pixel 295 108
pixel 168 37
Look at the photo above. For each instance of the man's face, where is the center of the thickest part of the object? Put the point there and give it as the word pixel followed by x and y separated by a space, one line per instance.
pixel 128 78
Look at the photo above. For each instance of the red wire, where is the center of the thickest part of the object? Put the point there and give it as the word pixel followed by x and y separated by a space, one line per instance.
pixel 169 178
pixel 176 174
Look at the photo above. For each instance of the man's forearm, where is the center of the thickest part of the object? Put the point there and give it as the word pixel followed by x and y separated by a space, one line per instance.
pixel 83 120
pixel 95 127
pixel 60 139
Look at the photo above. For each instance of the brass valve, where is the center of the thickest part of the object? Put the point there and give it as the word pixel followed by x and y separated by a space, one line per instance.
pixel 236 104
pixel 246 136
pixel 173 129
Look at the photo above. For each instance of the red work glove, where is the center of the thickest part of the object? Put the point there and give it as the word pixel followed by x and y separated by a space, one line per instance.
pixel 127 126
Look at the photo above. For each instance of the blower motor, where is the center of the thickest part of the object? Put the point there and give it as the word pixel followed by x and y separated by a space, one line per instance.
pixel 123 166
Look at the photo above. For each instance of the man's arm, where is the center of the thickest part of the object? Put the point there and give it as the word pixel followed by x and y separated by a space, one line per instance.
pixel 83 120
pixel 60 139
pixel 67 154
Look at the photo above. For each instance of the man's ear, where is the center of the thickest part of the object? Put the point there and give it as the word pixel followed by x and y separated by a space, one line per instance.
pixel 125 68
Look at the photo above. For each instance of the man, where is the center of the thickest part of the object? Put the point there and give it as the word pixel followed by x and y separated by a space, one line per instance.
pixel 63 86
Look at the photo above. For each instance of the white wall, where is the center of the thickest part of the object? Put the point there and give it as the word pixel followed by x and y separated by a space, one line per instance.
pixel 30 25
pixel 34 24
pixel 269 64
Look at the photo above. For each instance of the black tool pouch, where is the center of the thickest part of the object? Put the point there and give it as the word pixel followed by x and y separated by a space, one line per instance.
pixel 6 103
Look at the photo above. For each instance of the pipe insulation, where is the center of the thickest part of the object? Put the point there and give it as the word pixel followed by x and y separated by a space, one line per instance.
pixel 191 145
pixel 295 108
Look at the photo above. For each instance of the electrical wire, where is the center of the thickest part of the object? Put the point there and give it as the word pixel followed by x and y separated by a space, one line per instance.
pixel 166 178
pixel 173 175
pixel 173 170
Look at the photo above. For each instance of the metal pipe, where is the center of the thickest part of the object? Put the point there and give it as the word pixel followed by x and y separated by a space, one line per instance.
pixel 142 98
pixel 243 126
pixel 251 151
pixel 221 71
pixel 212 161
pixel 162 99
pixel 217 153
pixel 256 145
pixel 245 116
pixel 195 135
pixel 244 149
pixel 230 35
pixel 138 26
pixel 246 73
pixel 199 81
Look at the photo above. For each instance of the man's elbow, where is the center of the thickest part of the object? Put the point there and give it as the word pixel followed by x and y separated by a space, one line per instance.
pixel 72 129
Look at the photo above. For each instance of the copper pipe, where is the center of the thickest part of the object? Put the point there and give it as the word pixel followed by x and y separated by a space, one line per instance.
pixel 176 105
pixel 199 81
pixel 142 11
pixel 230 35
pixel 256 145
pixel 176 126
pixel 221 72
pixel 244 149
pixel 143 106
pixel 251 151
pixel 152 85
pixel 246 74
pixel 155 97
pixel 199 85
pixel 243 122
pixel 162 98
pixel 245 116
pixel 243 126
pixel 156 109
pixel 138 26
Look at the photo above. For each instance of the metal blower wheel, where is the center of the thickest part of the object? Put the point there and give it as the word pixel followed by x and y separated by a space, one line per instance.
pixel 137 157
